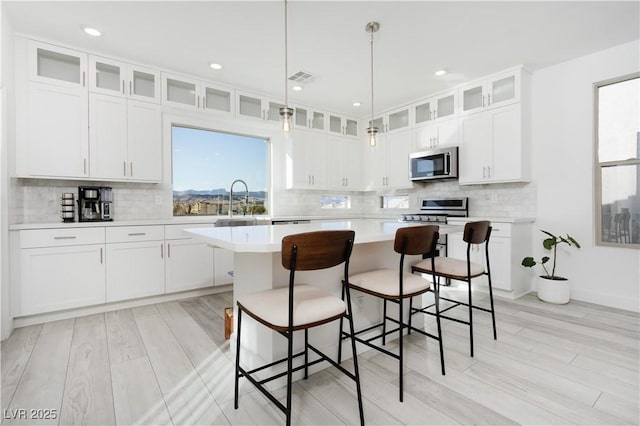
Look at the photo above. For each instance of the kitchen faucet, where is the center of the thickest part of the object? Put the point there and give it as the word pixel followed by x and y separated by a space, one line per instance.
pixel 246 198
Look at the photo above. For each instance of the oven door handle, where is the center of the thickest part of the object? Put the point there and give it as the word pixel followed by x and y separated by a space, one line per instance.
pixel 446 163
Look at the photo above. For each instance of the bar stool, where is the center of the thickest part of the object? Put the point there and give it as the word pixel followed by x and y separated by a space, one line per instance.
pixel 300 307
pixel 395 285
pixel 464 270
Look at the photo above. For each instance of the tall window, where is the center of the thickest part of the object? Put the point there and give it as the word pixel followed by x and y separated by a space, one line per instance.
pixel 206 163
pixel 618 162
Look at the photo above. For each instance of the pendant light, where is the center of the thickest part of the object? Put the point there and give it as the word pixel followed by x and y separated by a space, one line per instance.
pixel 372 131
pixel 286 112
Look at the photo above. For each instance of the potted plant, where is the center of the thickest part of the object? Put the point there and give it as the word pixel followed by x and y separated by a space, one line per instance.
pixel 551 287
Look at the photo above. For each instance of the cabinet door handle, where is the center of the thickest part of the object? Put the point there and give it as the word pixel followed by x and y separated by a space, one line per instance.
pixel 130 88
pixel 131 169
pixel 83 78
pixel 313 180
pixel 123 87
pixel 488 99
pixel 198 101
pixel 168 250
pixel 484 172
pixel 136 234
pixel 124 168
pixel 67 237
pixel 162 251
pixel 84 164
pixel 101 255
pixel 488 171
pixel 483 101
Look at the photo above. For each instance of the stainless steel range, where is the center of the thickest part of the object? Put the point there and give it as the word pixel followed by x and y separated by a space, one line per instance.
pixel 437 210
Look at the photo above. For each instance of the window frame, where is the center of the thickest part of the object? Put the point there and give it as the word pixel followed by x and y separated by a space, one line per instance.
pixel 597 165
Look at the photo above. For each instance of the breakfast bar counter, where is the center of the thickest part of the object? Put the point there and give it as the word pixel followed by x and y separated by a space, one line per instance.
pixel 258 267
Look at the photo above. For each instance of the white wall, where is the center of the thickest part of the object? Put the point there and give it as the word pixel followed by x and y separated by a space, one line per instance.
pixel 563 156
pixel 6 117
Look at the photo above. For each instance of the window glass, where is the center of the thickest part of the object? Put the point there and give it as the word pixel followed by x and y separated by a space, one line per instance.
pixel 618 162
pixel 335 202
pixel 395 201
pixel 206 163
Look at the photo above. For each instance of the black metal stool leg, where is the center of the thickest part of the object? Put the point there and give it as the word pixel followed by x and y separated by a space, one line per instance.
pixel 356 369
pixel 237 377
pixel 436 295
pixel 384 321
pixel 410 316
pixel 401 375
pixel 306 353
pixel 341 324
pixel 289 374
pixel 470 318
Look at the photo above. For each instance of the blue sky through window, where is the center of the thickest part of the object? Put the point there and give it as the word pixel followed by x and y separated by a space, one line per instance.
pixel 205 160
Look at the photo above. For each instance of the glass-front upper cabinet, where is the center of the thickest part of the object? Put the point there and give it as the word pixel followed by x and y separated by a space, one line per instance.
pixel 438 107
pixel 343 125
pixel 256 107
pixel 57 65
pixel 309 118
pixel 498 90
pixel 197 95
pixel 119 78
pixel 397 120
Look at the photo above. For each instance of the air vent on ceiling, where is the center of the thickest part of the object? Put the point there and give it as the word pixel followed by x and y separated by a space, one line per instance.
pixel 302 77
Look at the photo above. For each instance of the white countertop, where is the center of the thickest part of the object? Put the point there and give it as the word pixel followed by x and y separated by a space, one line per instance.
pixel 268 238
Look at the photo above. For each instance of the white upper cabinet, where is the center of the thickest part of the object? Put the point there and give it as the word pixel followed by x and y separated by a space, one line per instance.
pixel 117 78
pixel 307 164
pixel 341 125
pixel 308 118
pixel 437 134
pixel 440 107
pixel 256 107
pixel 344 163
pixel 387 164
pixel 196 95
pixel 57 65
pixel 496 91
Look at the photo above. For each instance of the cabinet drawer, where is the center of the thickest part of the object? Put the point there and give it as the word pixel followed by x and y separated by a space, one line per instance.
pixel 61 237
pixel 176 232
pixel 126 234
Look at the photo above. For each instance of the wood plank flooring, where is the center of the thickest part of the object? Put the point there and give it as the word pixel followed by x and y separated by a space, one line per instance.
pixel 169 364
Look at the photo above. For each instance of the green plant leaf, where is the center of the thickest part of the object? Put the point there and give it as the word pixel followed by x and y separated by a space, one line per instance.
pixel 549 234
pixel 548 243
pixel 574 242
pixel 545 259
pixel 528 262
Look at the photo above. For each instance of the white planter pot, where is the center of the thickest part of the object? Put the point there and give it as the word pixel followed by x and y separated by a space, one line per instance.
pixel 556 291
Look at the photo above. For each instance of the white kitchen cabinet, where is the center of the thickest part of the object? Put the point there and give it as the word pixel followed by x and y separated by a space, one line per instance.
pixel 57 65
pixel 223 270
pixel 492 92
pixel 54 133
pixel 308 118
pixel 344 163
pixel 125 139
pixel 111 77
pixel 58 269
pixel 437 134
pixel 256 107
pixel 307 164
pixel 135 262
pixel 508 244
pixel 197 95
pixel 189 263
pixel 388 161
pixel 341 125
pixel 440 107
pixel 494 147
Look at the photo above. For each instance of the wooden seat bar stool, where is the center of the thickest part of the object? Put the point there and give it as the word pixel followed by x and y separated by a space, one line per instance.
pixel 464 270
pixel 300 307
pixel 396 285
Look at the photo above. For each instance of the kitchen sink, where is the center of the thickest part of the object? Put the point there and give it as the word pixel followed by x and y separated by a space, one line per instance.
pixel 236 221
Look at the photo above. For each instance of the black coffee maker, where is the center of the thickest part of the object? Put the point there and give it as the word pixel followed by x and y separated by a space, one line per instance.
pixel 94 203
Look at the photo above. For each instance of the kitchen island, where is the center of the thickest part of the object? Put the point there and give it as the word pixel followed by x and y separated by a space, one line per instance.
pixel 258 266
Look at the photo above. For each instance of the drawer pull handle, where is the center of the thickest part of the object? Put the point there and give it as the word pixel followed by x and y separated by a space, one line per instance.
pixel 137 234
pixel 70 237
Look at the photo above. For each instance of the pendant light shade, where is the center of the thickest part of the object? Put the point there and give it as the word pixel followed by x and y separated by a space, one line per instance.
pixel 372 131
pixel 286 112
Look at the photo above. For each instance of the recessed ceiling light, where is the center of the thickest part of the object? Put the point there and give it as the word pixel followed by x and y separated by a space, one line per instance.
pixel 357 104
pixel 215 66
pixel 296 88
pixel 440 72
pixel 92 31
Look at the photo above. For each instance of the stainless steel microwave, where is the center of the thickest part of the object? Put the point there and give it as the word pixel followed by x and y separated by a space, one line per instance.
pixel 439 163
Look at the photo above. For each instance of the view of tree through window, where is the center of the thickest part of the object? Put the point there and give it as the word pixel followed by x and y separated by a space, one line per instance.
pixel 206 163
pixel 618 161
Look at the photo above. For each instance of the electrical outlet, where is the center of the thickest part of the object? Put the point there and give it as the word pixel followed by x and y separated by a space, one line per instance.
pixel 158 200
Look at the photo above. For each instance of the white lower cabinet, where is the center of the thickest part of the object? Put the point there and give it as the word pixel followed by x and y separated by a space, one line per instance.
pixel 223 266
pixel 58 270
pixel 508 244
pixel 189 263
pixel 135 262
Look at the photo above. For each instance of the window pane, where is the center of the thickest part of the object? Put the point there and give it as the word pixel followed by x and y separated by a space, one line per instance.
pixel 205 163
pixel 335 202
pixel 395 201
pixel 619 121
pixel 621 204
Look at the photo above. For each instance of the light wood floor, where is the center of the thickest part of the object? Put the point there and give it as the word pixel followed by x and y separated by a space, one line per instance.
pixel 169 363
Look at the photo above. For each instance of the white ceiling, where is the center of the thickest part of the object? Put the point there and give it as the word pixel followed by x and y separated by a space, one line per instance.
pixel 328 39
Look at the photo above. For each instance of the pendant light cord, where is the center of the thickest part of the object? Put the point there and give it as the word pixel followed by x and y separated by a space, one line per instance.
pixel 371 125
pixel 286 59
